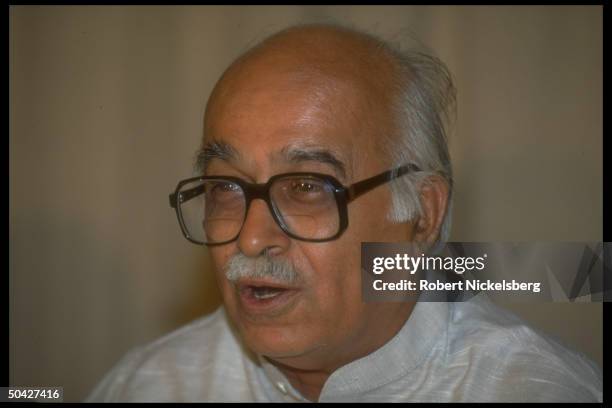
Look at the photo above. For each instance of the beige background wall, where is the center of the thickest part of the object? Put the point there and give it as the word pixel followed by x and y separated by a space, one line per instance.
pixel 106 107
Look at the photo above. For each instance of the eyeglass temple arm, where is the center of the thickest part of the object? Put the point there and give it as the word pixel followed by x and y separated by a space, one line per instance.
pixel 366 185
pixel 185 195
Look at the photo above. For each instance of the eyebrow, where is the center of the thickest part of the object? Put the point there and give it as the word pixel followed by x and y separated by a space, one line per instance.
pixel 299 155
pixel 223 151
pixel 214 150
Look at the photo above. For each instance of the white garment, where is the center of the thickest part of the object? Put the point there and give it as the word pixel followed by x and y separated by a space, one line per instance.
pixel 464 351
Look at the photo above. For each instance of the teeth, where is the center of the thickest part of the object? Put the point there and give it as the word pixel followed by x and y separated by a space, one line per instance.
pixel 266 293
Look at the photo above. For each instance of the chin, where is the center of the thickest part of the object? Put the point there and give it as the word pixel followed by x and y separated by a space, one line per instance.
pixel 280 334
pixel 277 342
pixel 268 339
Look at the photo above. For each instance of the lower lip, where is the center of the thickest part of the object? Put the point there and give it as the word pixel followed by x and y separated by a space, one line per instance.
pixel 252 305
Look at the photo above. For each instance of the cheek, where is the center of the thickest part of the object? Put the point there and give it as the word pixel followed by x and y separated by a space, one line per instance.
pixel 335 280
pixel 336 266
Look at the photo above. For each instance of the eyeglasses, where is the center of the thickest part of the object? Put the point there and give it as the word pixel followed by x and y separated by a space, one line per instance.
pixel 211 210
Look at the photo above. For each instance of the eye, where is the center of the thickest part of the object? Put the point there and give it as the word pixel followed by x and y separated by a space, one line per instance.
pixel 223 191
pixel 225 187
pixel 306 186
pixel 309 191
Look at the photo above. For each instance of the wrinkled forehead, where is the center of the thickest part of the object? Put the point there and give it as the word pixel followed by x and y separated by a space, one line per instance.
pixel 268 115
pixel 289 117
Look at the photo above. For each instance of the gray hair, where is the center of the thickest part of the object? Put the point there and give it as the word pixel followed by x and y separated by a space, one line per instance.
pixel 424 108
pixel 280 269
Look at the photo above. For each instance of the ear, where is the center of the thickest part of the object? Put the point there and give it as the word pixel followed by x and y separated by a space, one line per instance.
pixel 434 201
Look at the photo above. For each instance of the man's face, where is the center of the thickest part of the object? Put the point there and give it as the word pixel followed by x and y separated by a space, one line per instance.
pixel 265 118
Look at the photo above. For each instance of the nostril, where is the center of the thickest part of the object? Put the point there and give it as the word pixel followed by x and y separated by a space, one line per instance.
pixel 272 251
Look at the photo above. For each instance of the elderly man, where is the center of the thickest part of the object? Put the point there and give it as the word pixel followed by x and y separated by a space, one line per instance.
pixel 316 140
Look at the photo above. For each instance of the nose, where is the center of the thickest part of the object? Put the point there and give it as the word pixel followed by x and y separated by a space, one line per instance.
pixel 260 233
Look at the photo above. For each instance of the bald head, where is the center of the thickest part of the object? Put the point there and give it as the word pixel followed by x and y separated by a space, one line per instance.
pixel 321 49
pixel 324 49
pixel 331 61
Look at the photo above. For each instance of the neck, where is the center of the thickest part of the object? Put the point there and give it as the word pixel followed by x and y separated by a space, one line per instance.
pixel 308 382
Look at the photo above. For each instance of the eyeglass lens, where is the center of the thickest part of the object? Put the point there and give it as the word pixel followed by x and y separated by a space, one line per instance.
pixel 214 211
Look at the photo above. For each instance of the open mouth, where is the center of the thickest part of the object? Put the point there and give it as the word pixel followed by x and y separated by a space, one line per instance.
pixel 264 292
pixel 259 296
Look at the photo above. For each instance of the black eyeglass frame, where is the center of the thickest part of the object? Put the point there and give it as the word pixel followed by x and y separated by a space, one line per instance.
pixel 343 195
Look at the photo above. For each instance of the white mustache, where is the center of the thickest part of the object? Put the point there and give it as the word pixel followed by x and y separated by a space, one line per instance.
pixel 279 269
